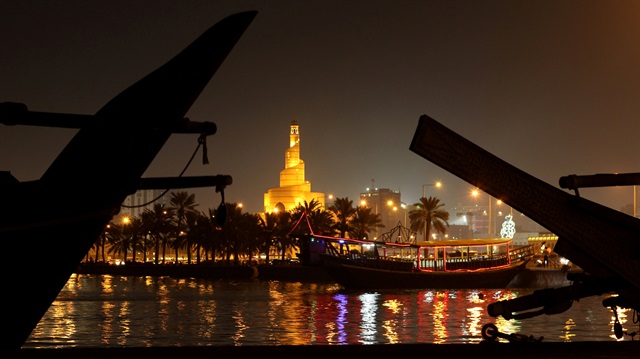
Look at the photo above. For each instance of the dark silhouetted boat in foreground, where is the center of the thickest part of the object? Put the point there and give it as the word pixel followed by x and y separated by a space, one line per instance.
pixel 603 242
pixel 53 219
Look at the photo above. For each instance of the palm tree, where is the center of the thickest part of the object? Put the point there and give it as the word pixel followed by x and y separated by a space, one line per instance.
pixel 99 246
pixel 147 218
pixel 146 225
pixel 428 214
pixel 176 242
pixel 103 241
pixel 274 230
pixel 181 203
pixel 252 242
pixel 95 247
pixel 235 232
pixel 343 211
pixel 190 232
pixel 135 231
pixel 119 242
pixel 307 218
pixel 320 220
pixel 158 224
pixel 199 230
pixel 363 222
pixel 214 244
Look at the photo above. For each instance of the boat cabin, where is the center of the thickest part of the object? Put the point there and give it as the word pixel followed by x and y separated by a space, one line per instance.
pixel 423 256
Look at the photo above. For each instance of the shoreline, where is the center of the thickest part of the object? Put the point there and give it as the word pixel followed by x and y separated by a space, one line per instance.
pixel 209 271
pixel 531 277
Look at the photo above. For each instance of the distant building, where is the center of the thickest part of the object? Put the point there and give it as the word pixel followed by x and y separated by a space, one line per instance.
pixel 135 204
pixel 293 189
pixel 387 204
pixel 459 231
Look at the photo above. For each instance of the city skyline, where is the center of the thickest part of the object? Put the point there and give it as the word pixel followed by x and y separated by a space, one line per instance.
pixel 551 87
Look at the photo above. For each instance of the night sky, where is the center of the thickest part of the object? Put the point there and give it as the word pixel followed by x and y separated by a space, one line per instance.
pixel 552 87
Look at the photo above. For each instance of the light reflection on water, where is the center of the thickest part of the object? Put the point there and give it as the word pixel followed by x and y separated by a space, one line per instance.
pixel 99 311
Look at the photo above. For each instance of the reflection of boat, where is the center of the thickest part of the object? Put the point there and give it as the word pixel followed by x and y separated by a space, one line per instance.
pixel 361 264
pixel 53 221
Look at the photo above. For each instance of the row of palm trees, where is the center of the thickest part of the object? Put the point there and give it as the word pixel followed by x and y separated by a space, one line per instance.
pixel 166 231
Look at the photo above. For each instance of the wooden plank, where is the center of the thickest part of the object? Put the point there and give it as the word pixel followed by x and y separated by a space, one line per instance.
pixel 602 241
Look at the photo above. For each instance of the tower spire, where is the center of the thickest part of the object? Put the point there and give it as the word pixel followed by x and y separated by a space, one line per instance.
pixel 294 134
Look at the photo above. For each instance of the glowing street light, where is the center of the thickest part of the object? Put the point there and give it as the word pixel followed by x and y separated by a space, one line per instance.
pixel 476 193
pixel 436 184
pixel 363 203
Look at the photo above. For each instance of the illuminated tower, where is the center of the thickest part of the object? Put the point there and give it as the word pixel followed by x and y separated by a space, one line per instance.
pixel 293 188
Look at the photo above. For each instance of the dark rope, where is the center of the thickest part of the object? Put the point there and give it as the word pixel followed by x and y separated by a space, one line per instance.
pixel 202 141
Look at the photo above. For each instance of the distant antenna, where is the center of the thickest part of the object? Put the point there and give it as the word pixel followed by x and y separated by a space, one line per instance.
pixel 372 182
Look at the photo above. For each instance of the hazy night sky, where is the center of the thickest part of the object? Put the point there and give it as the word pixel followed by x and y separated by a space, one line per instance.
pixel 552 87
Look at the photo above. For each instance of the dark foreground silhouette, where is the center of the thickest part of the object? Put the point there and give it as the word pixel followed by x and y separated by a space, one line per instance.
pixel 54 221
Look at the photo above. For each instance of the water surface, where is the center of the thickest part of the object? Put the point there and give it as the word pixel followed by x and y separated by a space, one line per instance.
pixel 106 311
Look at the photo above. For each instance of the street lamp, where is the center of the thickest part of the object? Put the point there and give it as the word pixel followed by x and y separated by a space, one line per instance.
pixel 380 211
pixel 436 184
pixel 125 221
pixel 476 193
pixel 364 204
pixel 499 214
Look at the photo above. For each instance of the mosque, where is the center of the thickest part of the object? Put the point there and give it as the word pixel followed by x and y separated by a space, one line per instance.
pixel 294 190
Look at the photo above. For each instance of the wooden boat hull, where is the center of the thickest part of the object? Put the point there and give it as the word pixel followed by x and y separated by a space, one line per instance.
pixel 49 224
pixel 352 276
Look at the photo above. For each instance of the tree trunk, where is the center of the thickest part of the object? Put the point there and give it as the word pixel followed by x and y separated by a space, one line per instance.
pixel 157 250
pixel 104 242
pixel 164 250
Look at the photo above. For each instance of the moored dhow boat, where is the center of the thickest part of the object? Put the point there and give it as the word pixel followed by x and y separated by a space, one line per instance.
pixel 454 264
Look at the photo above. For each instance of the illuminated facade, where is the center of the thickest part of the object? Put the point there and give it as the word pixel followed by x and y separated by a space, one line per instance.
pixel 386 204
pixel 294 189
pixel 135 204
